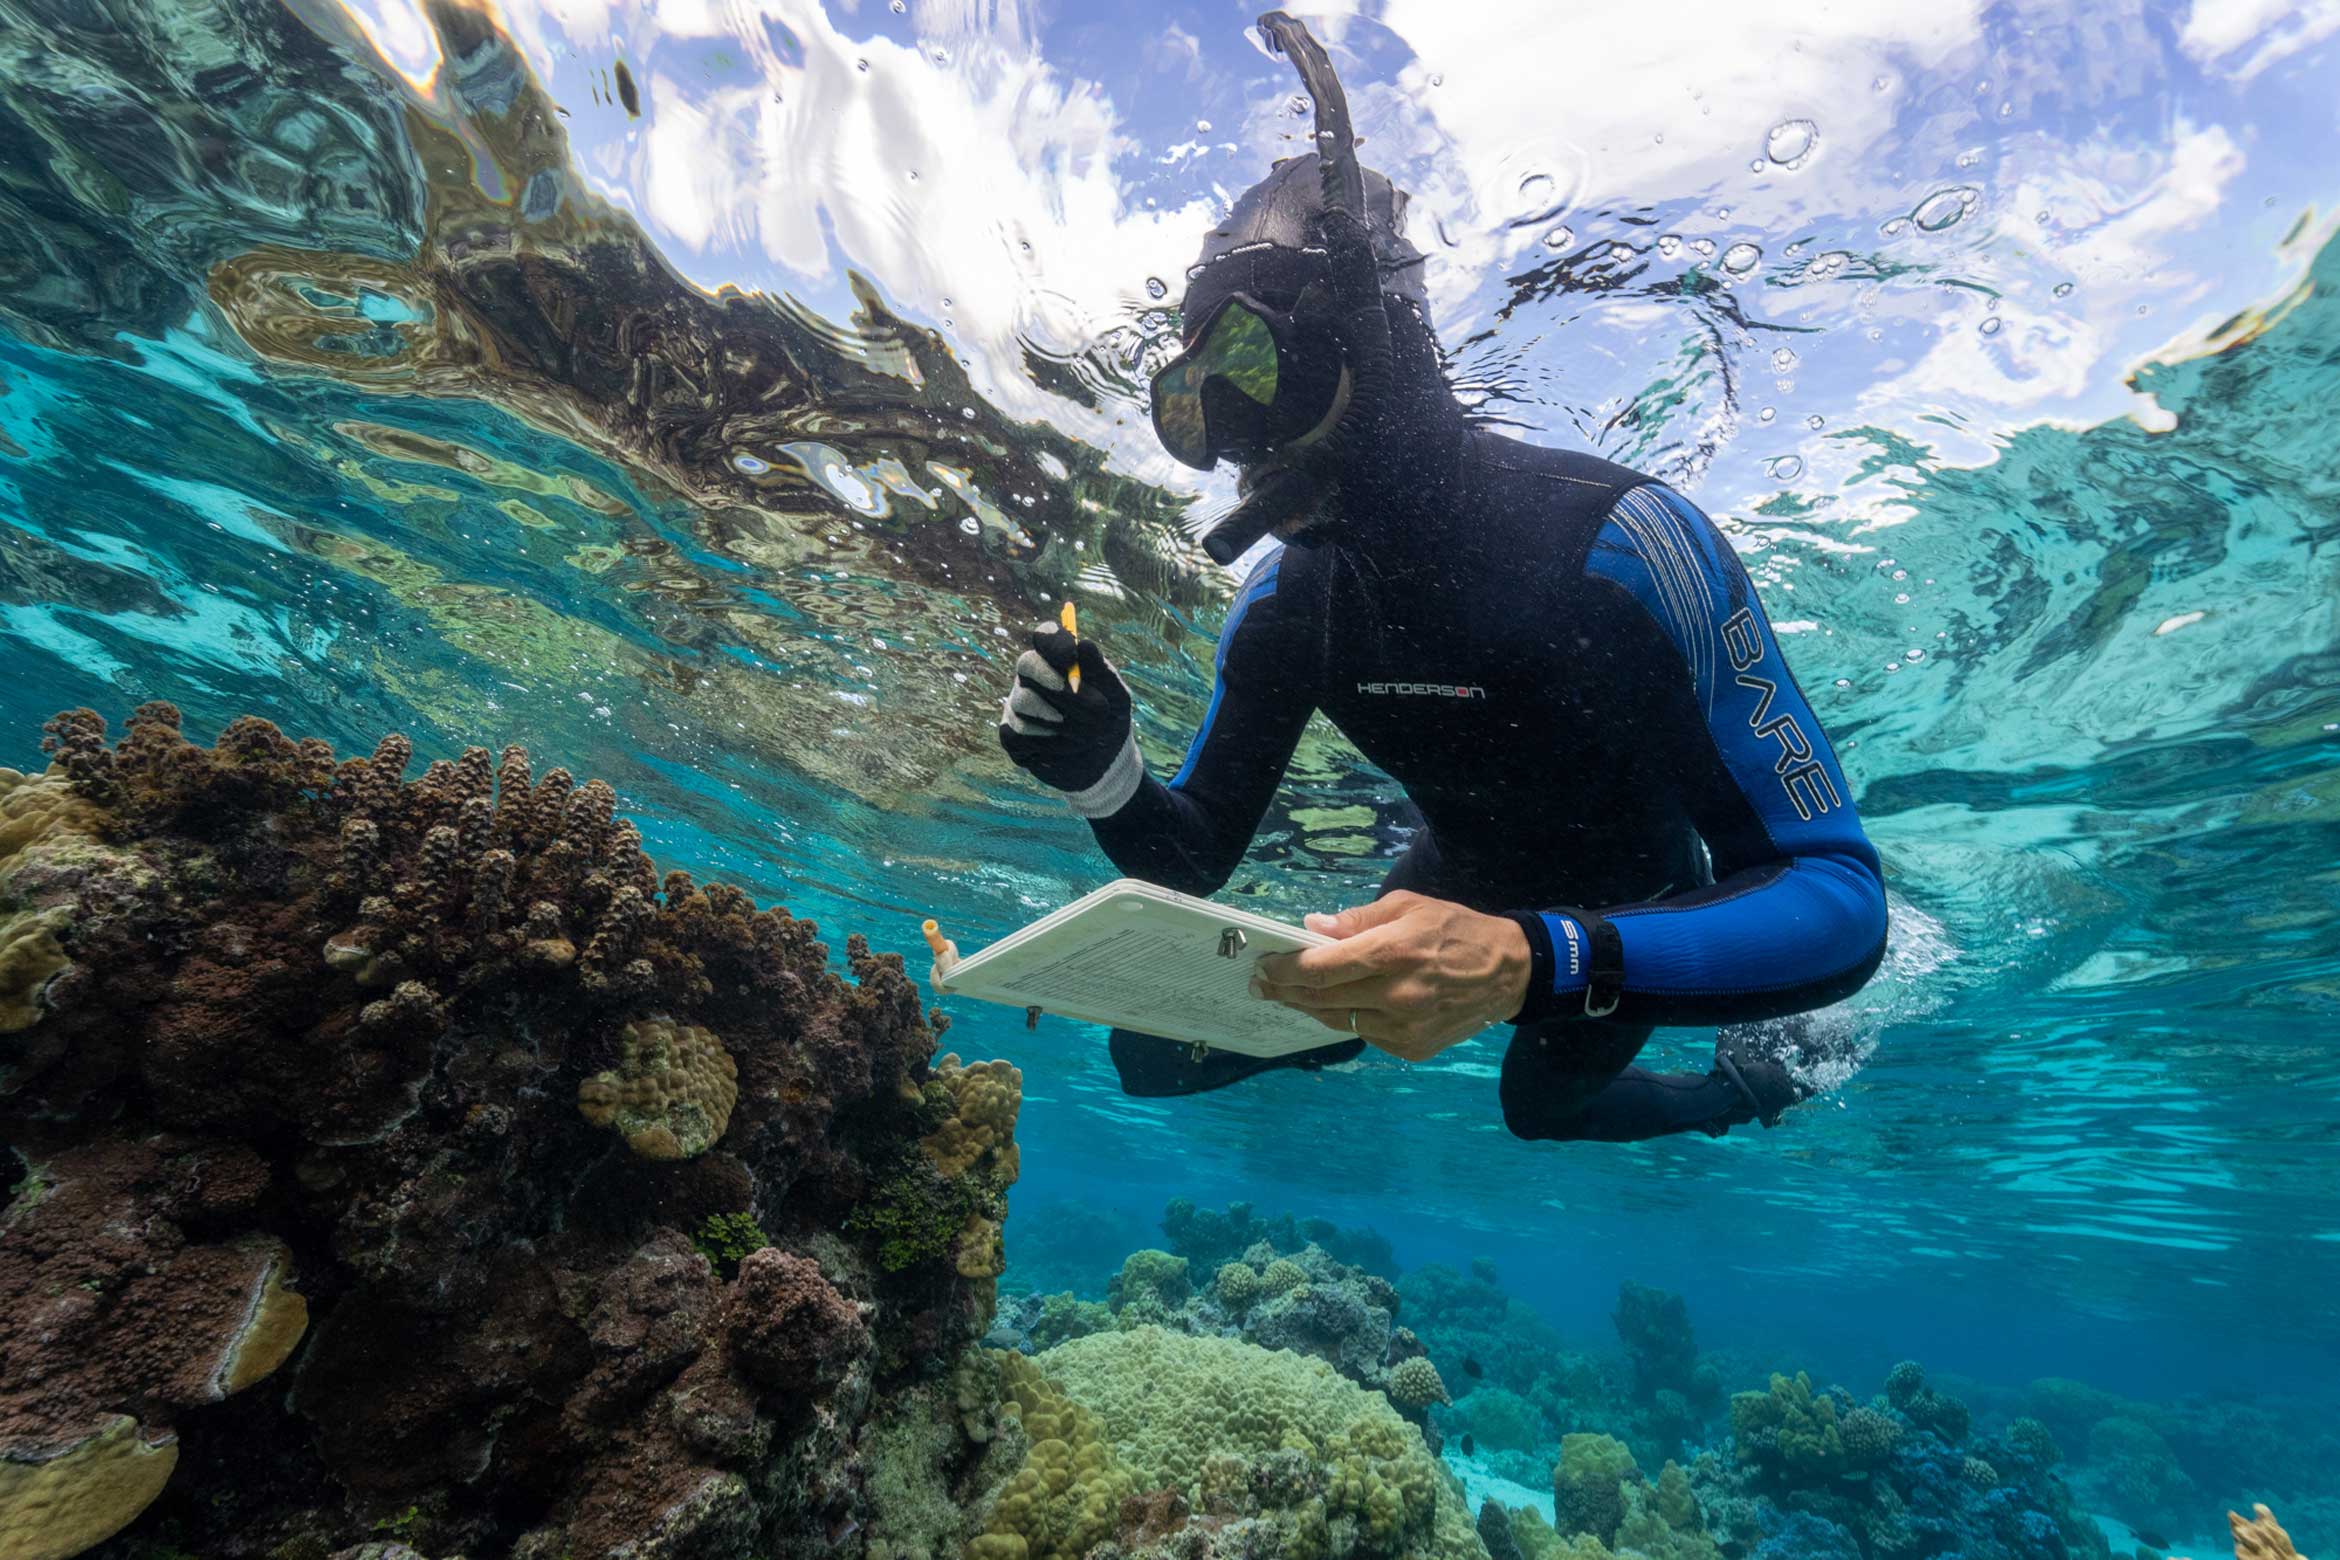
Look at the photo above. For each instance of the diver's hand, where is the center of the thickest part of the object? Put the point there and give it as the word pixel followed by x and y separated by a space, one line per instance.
pixel 1069 741
pixel 1410 975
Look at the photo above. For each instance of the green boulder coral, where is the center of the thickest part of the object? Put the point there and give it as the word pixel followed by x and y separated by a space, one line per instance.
pixel 1588 1485
pixel 1282 1275
pixel 1661 1521
pixel 1237 1286
pixel 1415 1383
pixel 1150 1279
pixel 1208 1417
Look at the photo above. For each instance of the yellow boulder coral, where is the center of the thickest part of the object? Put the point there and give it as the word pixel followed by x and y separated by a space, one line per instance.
pixel 984 1100
pixel 36 812
pixel 59 1500
pixel 1067 1495
pixel 672 1093
pixel 30 956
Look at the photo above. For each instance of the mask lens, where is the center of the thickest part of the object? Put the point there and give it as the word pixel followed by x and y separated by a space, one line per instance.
pixel 1238 349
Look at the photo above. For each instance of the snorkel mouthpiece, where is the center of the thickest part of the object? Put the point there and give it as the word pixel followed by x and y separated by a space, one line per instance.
pixel 1284 494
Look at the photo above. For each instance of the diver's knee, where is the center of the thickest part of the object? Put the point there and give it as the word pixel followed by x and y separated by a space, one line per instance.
pixel 1537 1110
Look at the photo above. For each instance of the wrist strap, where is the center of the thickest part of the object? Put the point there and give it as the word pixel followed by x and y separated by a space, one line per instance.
pixel 1604 964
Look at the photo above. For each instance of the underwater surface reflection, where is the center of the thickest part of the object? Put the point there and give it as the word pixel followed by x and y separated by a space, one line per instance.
pixel 378 369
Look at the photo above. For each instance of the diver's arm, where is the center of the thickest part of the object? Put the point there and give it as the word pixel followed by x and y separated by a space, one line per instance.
pixel 1189 835
pixel 1796 918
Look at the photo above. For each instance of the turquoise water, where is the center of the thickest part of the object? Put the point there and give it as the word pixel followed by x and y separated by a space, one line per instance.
pixel 365 400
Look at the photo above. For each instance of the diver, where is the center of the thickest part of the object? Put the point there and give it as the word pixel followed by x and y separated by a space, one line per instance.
pixel 1630 816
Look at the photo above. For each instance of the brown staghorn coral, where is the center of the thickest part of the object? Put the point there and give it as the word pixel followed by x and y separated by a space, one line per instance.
pixel 302 1107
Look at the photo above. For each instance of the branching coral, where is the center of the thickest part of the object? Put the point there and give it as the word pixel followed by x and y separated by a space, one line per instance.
pixel 1789 1430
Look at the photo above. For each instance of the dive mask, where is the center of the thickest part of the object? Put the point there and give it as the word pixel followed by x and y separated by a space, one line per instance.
pixel 1245 387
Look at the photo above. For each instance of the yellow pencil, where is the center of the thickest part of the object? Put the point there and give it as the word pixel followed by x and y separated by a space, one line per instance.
pixel 1071 622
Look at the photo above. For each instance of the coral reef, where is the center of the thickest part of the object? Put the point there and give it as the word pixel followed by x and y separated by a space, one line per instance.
pixel 1210 1239
pixel 295 1111
pixel 1654 1327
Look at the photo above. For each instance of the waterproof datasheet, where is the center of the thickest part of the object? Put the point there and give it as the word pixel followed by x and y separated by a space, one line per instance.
pixel 1139 957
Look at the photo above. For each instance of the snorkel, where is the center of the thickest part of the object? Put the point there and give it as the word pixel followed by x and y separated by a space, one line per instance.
pixel 1290 488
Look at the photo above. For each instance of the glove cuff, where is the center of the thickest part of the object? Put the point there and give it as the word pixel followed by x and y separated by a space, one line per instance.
pixel 1111 791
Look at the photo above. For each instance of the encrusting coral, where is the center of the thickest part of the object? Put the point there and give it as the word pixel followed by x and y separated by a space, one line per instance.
pixel 312 1102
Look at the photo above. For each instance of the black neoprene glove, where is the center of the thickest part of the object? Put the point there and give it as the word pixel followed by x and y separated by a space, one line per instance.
pixel 1077 743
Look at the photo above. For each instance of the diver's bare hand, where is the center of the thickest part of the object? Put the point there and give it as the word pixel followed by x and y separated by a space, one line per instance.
pixel 1410 975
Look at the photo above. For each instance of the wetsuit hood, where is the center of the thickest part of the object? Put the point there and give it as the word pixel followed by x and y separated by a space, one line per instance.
pixel 1266 245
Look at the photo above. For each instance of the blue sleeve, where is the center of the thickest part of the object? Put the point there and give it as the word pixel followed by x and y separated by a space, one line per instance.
pixel 1190 834
pixel 1796 916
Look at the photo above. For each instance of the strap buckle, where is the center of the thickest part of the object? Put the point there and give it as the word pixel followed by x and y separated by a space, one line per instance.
pixel 1604 982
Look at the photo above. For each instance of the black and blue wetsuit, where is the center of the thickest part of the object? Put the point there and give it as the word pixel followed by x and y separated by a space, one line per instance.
pixel 1572 678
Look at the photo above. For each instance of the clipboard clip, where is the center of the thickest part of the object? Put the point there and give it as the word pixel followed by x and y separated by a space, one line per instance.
pixel 1232 942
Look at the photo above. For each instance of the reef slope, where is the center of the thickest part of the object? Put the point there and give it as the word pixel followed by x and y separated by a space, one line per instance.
pixel 562 1209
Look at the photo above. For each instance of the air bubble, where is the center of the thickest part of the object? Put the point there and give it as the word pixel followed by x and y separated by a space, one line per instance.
pixel 1438 81
pixel 1620 252
pixel 2063 289
pixel 1766 414
pixel 1537 187
pixel 1990 327
pixel 898 6
pixel 1559 238
pixel 967 412
pixel 971 526
pixel 752 465
pixel 1783 359
pixel 1844 682
pixel 1670 245
pixel 1791 141
pixel 1815 422
pixel 1913 653
pixel 1901 598
pixel 1946 208
pixel 862 66
pixel 1739 259
pixel 1784 468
